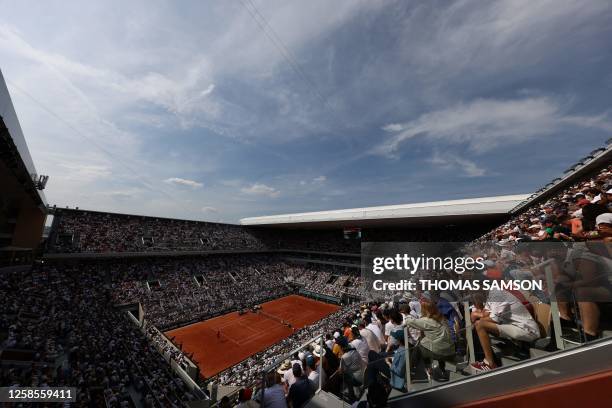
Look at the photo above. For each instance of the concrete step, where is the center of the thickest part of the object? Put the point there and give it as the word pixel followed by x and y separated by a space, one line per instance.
pixel 506 362
pixel 457 366
pixel 533 353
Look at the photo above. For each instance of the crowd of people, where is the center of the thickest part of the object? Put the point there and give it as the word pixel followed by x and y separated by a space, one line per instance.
pixel 571 215
pixel 174 292
pixel 166 347
pixel 574 228
pixel 80 231
pixel 319 279
pixel 89 231
pixel 60 331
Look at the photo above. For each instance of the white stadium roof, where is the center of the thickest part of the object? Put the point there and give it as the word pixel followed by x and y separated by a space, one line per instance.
pixel 388 215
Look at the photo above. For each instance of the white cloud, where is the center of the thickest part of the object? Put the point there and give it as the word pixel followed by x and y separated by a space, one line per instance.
pixel 183 182
pixel 83 172
pixel 392 127
pixel 261 189
pixel 453 162
pixel 121 195
pixel 209 209
pixel 315 182
pixel 484 124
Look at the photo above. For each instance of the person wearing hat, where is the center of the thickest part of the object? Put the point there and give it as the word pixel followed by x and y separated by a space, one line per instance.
pixel 313 371
pixel 590 213
pixel 603 223
pixel 286 373
pixel 398 363
pixel 284 367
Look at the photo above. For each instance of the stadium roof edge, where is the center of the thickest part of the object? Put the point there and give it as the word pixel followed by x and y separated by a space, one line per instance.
pixel 426 210
pixel 10 122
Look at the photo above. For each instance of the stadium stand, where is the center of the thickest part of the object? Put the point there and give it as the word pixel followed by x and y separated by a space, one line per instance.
pixel 228 283
pixel 175 291
pixel 59 330
pixel 96 323
pixel 91 231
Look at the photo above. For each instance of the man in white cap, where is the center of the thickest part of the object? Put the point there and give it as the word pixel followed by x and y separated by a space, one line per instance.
pixel 604 225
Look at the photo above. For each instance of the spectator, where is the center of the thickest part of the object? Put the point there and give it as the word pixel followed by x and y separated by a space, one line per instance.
pixel 436 343
pixel 398 364
pixel 244 399
pixel 351 367
pixel 273 396
pixel 505 316
pixel 359 344
pixel 301 390
pixel 369 336
pixel 313 371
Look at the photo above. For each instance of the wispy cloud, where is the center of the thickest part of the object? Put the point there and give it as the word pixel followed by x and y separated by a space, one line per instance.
pixel 485 124
pixel 261 189
pixel 210 209
pixel 453 162
pixel 183 182
pixel 319 180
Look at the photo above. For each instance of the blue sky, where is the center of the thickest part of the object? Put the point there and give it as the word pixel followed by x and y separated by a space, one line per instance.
pixel 218 110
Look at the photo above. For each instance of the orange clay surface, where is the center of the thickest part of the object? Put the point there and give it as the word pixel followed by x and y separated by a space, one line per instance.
pixel 245 335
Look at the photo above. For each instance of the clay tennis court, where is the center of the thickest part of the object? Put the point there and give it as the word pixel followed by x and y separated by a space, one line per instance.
pixel 244 335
